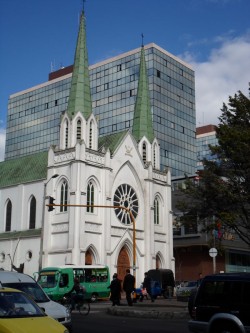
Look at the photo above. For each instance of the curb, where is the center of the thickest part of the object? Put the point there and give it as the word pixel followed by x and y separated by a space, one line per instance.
pixel 154 314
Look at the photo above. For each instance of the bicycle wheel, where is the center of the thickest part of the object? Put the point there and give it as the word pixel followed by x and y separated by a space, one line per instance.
pixel 66 301
pixel 83 308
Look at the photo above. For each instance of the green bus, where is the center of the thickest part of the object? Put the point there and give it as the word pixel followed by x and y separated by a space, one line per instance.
pixel 58 281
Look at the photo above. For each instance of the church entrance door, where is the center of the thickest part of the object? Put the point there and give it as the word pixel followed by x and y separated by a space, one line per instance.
pixel 123 263
pixel 88 258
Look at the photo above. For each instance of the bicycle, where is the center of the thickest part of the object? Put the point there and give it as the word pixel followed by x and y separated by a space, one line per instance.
pixel 81 305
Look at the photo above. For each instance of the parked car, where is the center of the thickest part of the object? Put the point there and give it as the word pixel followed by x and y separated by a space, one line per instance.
pixel 19 313
pixel 28 285
pixel 184 290
pixel 222 304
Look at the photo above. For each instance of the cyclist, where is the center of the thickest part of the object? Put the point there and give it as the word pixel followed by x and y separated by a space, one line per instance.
pixel 77 293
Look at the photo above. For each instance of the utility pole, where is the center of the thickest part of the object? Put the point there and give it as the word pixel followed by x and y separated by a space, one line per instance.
pixel 42 227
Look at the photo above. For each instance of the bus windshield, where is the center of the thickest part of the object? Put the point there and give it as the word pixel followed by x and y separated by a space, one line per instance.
pixel 48 279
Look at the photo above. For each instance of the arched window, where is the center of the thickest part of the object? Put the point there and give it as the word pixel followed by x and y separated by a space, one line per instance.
pixel 8 216
pixel 144 152
pixel 32 223
pixel 79 130
pixel 91 135
pixel 154 157
pixel 90 196
pixel 64 196
pixel 156 211
pixel 66 134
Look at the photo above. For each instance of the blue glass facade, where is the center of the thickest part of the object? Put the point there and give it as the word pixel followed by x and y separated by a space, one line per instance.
pixel 34 114
pixel 203 140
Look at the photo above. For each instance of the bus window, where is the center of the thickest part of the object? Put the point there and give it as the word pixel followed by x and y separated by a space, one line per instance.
pixel 93 278
pixel 88 273
pixel 64 280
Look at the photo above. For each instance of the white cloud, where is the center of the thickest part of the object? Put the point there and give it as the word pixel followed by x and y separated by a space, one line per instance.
pixel 224 73
pixel 2 143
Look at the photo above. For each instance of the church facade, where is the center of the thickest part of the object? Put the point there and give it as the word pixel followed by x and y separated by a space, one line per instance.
pixel 112 202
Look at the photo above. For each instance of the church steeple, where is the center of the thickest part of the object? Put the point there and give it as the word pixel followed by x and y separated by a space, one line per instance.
pixel 143 125
pixel 80 97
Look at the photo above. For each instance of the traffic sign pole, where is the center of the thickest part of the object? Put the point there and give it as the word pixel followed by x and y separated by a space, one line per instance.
pixel 213 253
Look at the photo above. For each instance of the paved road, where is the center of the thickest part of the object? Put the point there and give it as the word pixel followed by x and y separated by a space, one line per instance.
pixel 101 320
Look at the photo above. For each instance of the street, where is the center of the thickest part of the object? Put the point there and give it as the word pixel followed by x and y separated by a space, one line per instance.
pixel 99 321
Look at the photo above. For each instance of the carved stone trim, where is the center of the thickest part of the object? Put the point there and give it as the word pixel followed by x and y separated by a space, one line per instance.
pixel 64 157
pixel 94 158
pixel 128 150
pixel 160 176
pixel 160 237
pixel 60 227
pixel 91 227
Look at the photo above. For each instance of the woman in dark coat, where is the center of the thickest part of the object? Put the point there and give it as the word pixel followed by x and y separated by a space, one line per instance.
pixel 115 290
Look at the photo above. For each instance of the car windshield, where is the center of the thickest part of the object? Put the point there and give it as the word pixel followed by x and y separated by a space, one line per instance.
pixel 192 284
pixel 18 305
pixel 32 289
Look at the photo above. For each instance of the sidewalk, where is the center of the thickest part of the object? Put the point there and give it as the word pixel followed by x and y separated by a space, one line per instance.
pixel 161 308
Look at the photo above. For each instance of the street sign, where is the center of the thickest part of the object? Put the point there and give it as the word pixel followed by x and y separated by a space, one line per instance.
pixel 213 252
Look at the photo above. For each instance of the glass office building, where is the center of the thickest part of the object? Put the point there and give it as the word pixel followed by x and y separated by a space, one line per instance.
pixel 34 114
pixel 205 136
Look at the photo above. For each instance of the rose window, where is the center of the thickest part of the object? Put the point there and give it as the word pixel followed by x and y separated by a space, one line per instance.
pixel 125 196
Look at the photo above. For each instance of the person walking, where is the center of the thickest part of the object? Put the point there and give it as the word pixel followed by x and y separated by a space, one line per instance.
pixel 129 286
pixel 115 290
pixel 147 285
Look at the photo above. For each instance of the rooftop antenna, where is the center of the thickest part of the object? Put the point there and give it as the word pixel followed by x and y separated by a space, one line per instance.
pixel 142 37
pixel 52 66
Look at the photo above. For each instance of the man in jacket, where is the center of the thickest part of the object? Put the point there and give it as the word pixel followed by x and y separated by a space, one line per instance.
pixel 129 286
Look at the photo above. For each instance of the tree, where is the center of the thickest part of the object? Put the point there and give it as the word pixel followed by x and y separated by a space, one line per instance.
pixel 221 198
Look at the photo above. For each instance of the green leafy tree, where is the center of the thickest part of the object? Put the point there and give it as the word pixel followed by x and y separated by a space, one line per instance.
pixel 221 197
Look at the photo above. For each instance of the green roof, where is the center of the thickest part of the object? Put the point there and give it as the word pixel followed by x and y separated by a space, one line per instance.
pixel 142 123
pixel 23 169
pixel 111 141
pixel 80 96
pixel 21 234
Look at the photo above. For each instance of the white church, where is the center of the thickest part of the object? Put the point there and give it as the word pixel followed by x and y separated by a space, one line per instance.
pixel 113 204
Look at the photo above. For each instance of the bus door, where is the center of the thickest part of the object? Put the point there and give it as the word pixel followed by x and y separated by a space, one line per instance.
pixel 66 282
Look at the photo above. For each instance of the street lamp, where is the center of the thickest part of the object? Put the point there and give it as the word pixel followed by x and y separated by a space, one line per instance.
pixel 42 228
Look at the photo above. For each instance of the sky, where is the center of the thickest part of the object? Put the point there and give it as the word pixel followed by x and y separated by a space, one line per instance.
pixel 213 36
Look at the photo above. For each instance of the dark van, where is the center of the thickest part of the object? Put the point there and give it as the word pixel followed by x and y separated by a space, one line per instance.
pixel 222 304
pixel 165 277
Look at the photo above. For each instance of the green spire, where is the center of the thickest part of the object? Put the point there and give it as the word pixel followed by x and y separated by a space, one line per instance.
pixel 80 97
pixel 143 124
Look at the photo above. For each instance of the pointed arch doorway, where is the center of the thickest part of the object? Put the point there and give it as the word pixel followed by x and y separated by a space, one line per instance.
pixel 123 263
pixel 88 257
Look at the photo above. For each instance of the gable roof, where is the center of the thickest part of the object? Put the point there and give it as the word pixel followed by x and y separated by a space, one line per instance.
pixel 111 141
pixel 23 169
